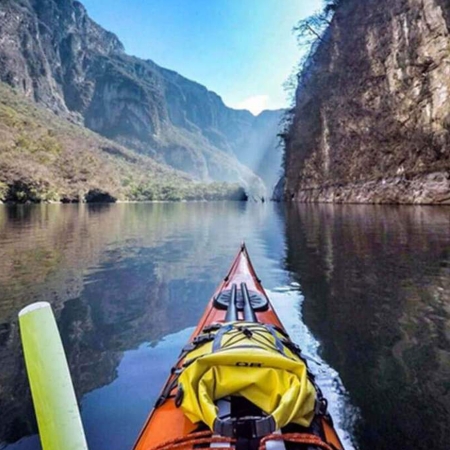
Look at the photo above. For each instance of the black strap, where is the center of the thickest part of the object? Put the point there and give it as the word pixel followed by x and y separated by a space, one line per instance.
pixel 248 427
pixel 278 341
pixel 218 337
pixel 168 388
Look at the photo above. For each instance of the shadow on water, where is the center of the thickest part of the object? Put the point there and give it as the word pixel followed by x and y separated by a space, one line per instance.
pixel 376 282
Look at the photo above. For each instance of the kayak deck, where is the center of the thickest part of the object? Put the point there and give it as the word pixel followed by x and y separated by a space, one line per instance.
pixel 239 297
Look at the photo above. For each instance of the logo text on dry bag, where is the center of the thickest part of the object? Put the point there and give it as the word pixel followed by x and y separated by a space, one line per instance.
pixel 248 364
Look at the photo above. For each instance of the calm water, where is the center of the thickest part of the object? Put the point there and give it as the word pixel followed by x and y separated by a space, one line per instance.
pixel 365 290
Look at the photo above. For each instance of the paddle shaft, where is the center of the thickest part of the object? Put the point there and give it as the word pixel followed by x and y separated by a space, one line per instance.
pixel 55 404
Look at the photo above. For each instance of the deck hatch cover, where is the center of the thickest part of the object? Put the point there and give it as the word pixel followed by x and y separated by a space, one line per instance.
pixel 257 300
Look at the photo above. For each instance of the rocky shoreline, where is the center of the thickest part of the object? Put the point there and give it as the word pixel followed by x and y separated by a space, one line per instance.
pixel 421 189
pixel 104 197
pixel 113 200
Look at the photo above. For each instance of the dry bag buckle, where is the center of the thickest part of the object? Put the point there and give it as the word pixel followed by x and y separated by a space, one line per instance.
pixel 198 340
pixel 245 427
pixel 202 339
pixel 212 327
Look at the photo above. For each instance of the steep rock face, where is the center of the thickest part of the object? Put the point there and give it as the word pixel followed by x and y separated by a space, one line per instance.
pixel 45 46
pixel 53 52
pixel 371 121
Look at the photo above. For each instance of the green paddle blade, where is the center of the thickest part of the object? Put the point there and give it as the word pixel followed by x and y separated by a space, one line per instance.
pixel 56 407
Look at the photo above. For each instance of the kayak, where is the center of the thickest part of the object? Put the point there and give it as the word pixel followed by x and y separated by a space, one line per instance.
pixel 240 382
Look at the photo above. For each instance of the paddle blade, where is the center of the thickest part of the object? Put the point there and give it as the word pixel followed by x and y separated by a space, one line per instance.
pixel 56 407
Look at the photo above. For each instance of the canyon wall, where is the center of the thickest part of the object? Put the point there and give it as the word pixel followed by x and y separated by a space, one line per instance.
pixel 371 121
pixel 52 52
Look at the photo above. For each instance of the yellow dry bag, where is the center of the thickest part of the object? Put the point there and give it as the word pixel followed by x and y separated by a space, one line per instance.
pixel 250 360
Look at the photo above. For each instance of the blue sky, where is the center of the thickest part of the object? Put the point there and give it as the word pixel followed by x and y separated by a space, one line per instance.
pixel 242 49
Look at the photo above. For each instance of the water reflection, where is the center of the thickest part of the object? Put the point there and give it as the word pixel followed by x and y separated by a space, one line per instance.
pixel 127 283
pixel 376 282
pixel 120 278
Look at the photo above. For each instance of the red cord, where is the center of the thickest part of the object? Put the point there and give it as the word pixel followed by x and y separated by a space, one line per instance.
pixel 206 437
pixel 201 437
pixel 299 438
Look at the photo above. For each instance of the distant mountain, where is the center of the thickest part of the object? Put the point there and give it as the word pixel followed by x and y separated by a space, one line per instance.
pixel 52 52
pixel 45 158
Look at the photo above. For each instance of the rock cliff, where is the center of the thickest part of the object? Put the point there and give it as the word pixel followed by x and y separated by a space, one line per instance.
pixel 51 51
pixel 371 122
pixel 45 158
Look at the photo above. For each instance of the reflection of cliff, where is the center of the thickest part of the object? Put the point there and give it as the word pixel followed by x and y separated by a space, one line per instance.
pixel 377 290
pixel 116 276
pixel 45 250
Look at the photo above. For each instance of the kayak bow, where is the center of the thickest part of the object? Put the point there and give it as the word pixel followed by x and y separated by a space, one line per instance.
pixel 240 381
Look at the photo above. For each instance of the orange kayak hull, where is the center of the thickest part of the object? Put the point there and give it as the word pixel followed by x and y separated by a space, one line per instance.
pixel 167 423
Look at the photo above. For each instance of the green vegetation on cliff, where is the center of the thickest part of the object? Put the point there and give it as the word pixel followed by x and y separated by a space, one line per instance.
pixel 44 158
pixel 54 53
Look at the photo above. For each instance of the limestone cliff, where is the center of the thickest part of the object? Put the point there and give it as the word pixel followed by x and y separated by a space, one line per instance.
pixel 371 120
pixel 51 51
pixel 45 158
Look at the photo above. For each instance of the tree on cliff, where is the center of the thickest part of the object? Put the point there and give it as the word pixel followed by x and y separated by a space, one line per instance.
pixel 311 29
pixel 311 34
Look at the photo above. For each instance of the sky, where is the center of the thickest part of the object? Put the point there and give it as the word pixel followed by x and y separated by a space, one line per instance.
pixel 244 50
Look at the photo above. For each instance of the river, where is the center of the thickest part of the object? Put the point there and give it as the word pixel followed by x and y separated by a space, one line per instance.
pixel 365 290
